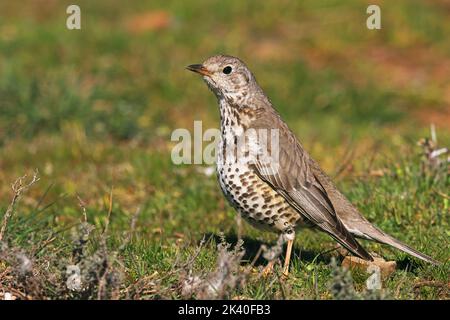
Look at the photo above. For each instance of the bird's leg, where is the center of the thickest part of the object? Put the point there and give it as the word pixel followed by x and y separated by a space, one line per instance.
pixel 289 235
pixel 288 257
pixel 272 254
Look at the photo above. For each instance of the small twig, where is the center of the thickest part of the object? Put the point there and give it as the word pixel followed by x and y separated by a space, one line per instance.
pixel 283 290
pixel 82 205
pixel 433 133
pixel 105 231
pixel 430 283
pixel 446 196
pixel 399 285
pixel 16 292
pixel 102 280
pixel 435 284
pixel 131 231
pixel 316 286
pixel 177 266
pixel 269 287
pixel 18 187
pixel 258 254
pixel 42 198
pixel 195 254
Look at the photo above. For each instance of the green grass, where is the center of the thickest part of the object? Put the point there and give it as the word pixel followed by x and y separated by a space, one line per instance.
pixel 93 110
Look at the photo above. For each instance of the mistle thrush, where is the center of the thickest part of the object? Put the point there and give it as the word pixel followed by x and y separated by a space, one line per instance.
pixel 286 194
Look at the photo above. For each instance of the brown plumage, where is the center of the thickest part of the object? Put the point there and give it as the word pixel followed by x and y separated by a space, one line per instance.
pixel 286 194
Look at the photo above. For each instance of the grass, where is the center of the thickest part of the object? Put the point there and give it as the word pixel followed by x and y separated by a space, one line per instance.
pixel 93 111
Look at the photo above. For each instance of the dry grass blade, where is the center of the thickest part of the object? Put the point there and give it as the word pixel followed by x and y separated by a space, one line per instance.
pixel 18 187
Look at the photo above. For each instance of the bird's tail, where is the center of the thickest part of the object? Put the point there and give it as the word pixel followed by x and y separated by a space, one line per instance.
pixel 387 239
pixel 366 230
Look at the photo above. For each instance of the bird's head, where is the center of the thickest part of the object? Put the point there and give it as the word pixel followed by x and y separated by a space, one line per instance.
pixel 227 76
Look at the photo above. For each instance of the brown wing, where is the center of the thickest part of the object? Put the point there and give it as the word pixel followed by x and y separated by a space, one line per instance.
pixel 292 177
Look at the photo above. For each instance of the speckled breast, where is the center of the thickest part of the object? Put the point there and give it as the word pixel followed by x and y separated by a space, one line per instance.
pixel 257 202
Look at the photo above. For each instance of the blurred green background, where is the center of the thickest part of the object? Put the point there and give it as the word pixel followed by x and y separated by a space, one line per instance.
pixel 95 108
pixel 120 80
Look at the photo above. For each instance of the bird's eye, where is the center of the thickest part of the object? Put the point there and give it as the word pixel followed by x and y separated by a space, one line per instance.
pixel 227 70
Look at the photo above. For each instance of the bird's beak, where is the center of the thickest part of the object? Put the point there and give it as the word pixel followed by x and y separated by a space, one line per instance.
pixel 199 68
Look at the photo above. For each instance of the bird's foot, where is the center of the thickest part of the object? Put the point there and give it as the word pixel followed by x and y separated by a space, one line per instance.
pixel 285 273
pixel 268 270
